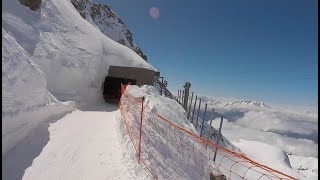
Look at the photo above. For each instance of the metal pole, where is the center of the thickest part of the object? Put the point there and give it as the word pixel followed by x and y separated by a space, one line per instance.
pixel 219 135
pixel 178 95
pixel 203 123
pixel 190 105
pixel 161 84
pixel 198 112
pixel 182 97
pixel 186 95
pixel 194 108
pixel 210 129
pixel 204 115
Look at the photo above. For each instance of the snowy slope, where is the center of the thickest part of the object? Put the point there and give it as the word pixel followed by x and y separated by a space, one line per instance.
pixel 308 166
pixel 102 17
pixel 266 154
pixel 73 54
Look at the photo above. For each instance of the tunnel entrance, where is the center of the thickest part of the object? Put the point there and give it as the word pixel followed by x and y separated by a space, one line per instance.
pixel 112 88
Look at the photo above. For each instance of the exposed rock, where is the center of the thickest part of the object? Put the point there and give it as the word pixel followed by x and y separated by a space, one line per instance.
pixel 102 17
pixel 32 4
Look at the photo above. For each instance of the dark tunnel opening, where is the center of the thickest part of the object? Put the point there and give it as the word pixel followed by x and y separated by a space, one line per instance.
pixel 112 88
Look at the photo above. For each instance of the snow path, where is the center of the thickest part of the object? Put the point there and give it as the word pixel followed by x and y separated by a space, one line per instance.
pixel 82 145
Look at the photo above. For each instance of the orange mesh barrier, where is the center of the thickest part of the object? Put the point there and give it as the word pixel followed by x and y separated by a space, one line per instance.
pixel 123 89
pixel 172 152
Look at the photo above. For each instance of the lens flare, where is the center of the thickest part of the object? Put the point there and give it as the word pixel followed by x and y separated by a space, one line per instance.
pixel 154 12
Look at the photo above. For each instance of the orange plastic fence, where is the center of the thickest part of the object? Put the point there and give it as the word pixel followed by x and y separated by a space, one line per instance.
pixel 123 89
pixel 172 152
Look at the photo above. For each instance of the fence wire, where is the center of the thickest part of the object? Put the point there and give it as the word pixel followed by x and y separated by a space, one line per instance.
pixel 171 152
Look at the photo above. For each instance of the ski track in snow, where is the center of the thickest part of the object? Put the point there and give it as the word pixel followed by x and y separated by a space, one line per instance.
pixel 83 145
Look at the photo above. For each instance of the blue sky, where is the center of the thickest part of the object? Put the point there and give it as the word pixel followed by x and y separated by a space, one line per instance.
pixel 265 50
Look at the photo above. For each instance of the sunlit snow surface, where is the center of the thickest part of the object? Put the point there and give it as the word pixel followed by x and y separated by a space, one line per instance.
pixel 53 55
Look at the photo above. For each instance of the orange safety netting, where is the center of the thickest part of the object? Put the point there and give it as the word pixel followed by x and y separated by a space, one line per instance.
pixel 172 152
pixel 122 90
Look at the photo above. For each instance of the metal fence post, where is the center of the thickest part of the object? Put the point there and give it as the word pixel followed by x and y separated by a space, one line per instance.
pixel 204 115
pixel 182 97
pixel 139 155
pixel 161 85
pixel 186 95
pixel 190 105
pixel 202 126
pixel 209 132
pixel 194 107
pixel 219 136
pixel 198 111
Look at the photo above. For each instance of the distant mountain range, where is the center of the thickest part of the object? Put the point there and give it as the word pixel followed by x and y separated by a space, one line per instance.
pixel 220 103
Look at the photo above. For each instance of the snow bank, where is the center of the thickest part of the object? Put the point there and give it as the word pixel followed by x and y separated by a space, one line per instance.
pixel 174 112
pixel 129 154
pixel 168 108
pixel 27 108
pixel 23 94
pixel 74 55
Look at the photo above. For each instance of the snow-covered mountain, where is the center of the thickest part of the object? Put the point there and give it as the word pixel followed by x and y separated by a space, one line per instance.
pixel 239 103
pixel 102 17
pixel 50 54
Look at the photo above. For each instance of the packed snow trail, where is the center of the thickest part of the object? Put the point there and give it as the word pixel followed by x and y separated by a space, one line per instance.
pixel 83 145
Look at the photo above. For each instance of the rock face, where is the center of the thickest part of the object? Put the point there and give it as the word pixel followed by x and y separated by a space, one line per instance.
pixel 32 4
pixel 102 17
